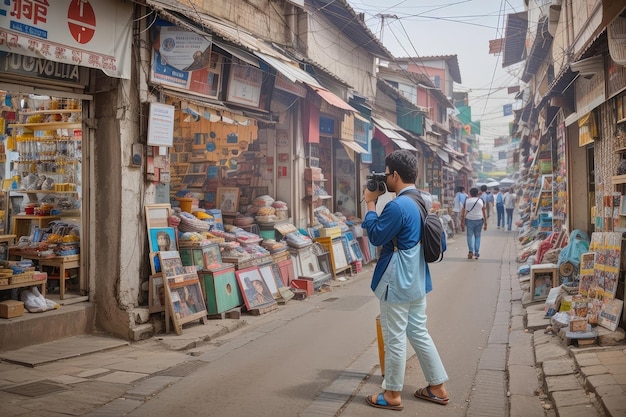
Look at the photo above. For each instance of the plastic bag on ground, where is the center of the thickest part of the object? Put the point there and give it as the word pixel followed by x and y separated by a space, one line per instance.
pixel 32 302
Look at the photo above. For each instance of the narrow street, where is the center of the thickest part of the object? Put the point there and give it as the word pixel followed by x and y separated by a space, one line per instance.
pixel 281 366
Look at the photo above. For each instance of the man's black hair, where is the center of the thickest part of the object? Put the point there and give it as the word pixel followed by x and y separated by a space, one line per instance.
pixel 404 163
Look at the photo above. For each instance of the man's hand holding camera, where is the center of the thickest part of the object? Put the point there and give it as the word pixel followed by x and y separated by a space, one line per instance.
pixel 375 187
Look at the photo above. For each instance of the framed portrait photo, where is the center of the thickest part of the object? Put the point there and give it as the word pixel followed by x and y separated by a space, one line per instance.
pixel 253 288
pixel 228 200
pixel 162 239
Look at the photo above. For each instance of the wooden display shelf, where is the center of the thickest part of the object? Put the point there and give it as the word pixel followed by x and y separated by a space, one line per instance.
pixel 42 192
pixel 33 283
pixel 48 126
pixel 57 111
pixel 618 179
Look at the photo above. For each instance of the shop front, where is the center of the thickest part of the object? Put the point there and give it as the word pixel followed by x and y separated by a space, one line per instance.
pixel 48 134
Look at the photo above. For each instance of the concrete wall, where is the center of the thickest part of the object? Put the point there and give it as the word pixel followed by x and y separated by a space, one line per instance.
pixel 118 232
pixel 333 51
pixel 263 17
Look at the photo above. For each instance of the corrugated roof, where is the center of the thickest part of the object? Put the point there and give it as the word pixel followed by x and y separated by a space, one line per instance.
pixel 343 16
pixel 451 60
pixel 515 38
pixel 539 49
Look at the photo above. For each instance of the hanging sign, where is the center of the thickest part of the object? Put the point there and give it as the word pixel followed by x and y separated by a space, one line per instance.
pixel 161 125
pixel 93 34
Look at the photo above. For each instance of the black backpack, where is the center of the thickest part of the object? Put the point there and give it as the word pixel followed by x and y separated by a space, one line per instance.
pixel 433 235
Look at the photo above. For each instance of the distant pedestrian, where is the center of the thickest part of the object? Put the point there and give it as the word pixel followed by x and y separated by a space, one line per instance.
pixel 459 201
pixel 499 198
pixel 485 197
pixel 509 206
pixel 474 217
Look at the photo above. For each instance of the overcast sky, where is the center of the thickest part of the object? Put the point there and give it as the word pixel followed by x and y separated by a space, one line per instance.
pixel 463 28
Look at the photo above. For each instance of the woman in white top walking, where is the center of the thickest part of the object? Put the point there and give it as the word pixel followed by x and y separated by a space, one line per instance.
pixel 474 216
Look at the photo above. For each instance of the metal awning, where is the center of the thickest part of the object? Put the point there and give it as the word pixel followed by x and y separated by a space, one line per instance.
pixel 332 99
pixel 403 144
pixel 457 166
pixel 353 146
pixel 445 157
pixel 391 131
pixel 292 72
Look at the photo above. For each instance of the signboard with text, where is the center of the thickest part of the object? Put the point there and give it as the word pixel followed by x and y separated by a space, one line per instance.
pixel 89 34
pixel 184 60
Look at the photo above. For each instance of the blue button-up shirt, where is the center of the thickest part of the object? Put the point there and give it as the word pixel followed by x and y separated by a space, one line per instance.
pixel 408 279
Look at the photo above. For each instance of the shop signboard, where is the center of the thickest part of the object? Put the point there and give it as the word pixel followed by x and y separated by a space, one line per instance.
pixel 88 34
pixel 184 60
pixel 244 84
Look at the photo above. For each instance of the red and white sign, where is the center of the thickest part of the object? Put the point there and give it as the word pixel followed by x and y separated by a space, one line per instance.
pixel 94 34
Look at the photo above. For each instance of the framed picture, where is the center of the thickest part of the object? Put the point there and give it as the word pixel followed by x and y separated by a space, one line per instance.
pixel 309 265
pixel 171 264
pixel 184 299
pixel 156 294
pixel 157 215
pixel 622 205
pixel 192 257
pixel 253 288
pixel 542 280
pixel 211 255
pixel 324 263
pixel 197 168
pixel 194 180
pixel 162 239
pixel 270 280
pixel 228 200
pixel 339 255
pixel 610 312
pixel 587 261
pixel 155 263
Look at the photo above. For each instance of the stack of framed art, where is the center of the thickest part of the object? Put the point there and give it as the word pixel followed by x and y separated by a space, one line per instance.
pixel 183 294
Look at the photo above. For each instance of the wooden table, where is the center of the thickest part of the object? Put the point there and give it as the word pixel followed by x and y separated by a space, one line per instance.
pixel 64 263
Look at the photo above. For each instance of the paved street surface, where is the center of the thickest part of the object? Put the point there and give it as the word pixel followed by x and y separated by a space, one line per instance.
pixel 318 357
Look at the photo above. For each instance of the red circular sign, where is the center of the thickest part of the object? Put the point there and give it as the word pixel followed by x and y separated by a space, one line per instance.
pixel 81 20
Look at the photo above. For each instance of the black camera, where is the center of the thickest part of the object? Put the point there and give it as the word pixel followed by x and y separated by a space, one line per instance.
pixel 377 181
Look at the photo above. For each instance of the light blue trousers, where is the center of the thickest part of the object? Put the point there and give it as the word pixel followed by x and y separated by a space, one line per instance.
pixel 399 322
pixel 474 228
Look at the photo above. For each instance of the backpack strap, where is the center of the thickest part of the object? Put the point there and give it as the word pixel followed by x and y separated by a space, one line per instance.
pixel 415 196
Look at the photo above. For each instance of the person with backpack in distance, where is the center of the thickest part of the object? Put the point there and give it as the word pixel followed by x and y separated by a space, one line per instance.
pixel 474 217
pixel 401 281
pixel 499 197
pixel 459 201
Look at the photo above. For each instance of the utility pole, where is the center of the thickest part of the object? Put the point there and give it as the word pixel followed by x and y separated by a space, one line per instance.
pixel 382 22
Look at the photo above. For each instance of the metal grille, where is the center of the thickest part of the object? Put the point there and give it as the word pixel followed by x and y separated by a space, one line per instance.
pixel 36 389
pixel 183 369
